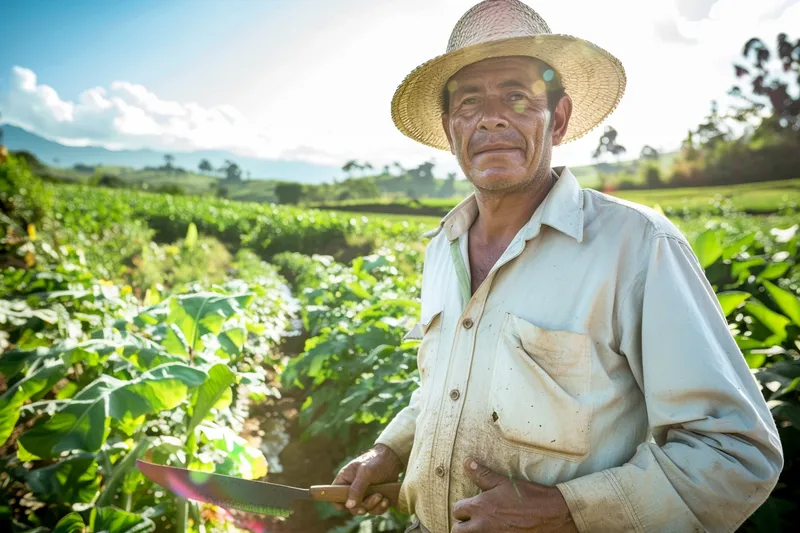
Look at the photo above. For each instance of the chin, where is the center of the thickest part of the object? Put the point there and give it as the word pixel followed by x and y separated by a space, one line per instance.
pixel 494 179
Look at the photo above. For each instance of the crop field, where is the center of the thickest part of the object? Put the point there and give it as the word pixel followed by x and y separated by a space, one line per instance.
pixel 219 336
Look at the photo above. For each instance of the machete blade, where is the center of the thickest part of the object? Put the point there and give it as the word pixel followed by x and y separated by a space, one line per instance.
pixel 226 491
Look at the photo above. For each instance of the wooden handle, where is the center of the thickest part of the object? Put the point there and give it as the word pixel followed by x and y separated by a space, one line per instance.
pixel 338 493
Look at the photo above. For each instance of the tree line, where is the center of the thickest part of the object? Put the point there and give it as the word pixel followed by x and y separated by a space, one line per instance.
pixel 756 139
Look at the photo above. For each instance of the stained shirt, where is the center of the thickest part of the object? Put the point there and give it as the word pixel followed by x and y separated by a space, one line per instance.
pixel 596 358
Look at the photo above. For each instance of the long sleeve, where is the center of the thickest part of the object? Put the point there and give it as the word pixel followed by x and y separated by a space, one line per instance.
pixel 399 434
pixel 715 454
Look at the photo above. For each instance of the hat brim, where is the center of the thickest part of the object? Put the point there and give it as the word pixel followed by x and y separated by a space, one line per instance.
pixel 593 78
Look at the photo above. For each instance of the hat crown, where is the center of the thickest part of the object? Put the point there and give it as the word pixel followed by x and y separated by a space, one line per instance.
pixel 491 20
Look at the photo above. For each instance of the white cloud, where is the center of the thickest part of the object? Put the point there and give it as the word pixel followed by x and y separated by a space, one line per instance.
pixel 129 115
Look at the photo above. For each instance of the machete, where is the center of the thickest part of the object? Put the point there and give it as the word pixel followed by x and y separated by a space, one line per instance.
pixel 249 495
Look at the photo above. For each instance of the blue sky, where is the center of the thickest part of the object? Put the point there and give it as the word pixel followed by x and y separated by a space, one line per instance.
pixel 83 43
pixel 312 79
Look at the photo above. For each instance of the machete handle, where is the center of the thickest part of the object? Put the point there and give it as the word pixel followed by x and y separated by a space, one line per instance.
pixel 339 493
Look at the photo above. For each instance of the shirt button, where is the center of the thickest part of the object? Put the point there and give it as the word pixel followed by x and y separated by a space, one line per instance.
pixel 440 471
pixel 468 323
pixel 454 394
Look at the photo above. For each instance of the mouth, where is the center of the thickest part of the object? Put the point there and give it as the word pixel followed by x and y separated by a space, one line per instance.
pixel 497 150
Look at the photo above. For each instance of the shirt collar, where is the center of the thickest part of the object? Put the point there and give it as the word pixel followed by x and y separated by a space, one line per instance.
pixel 562 209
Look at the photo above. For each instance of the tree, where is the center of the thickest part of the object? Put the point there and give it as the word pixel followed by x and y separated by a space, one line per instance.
pixel 288 192
pixel 385 171
pixel 350 166
pixel 400 169
pixel 449 186
pixel 713 129
pixel 168 160
pixel 608 145
pixel 366 166
pixel 3 150
pixel 649 153
pixel 205 166
pixel 232 171
pixel 769 100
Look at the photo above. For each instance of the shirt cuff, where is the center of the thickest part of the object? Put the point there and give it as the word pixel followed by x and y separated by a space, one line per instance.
pixel 597 503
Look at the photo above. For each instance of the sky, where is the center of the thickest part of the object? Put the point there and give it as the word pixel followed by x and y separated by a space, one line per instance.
pixel 312 80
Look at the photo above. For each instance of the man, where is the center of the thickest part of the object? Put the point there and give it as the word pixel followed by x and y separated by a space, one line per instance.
pixel 577 372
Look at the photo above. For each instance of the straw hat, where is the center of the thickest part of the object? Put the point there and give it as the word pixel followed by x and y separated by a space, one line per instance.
pixel 593 78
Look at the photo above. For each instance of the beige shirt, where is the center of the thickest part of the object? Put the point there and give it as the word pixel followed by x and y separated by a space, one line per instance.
pixel 595 357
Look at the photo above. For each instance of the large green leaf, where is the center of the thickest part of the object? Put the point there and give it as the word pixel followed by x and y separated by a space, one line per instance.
pixel 774 270
pixel 220 378
pixel 70 523
pixel 175 341
pixel 72 480
pixel 205 312
pixel 39 382
pixel 91 352
pixel 737 246
pixel 775 322
pixel 145 354
pixel 741 269
pixel 232 340
pixel 113 520
pixel 708 247
pixel 788 303
pixel 83 424
pixel 730 300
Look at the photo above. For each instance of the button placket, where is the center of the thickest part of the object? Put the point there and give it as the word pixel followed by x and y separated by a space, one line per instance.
pixel 457 379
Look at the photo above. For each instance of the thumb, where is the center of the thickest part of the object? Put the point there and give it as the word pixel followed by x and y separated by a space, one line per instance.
pixel 482 476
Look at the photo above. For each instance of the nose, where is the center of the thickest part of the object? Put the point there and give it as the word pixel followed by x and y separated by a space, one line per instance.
pixel 492 118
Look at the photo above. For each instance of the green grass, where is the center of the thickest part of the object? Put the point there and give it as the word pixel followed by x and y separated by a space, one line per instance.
pixel 756 198
pixel 763 197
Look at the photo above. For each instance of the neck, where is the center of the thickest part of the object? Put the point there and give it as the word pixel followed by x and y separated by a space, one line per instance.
pixel 502 215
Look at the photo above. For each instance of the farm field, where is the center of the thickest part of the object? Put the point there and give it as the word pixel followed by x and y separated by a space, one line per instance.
pixel 215 335
pixel 750 198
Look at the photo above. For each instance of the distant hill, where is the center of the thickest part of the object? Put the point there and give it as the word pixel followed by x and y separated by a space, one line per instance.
pixel 56 154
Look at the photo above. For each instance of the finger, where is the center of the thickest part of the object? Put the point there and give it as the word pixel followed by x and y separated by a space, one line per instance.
pixel 471 526
pixel 339 507
pixel 381 507
pixel 345 475
pixel 357 489
pixel 371 501
pixel 483 477
pixel 463 509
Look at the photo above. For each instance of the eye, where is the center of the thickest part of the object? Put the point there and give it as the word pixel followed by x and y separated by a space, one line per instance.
pixel 513 96
pixel 471 100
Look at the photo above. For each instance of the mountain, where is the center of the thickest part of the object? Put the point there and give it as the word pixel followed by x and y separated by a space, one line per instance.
pixel 56 154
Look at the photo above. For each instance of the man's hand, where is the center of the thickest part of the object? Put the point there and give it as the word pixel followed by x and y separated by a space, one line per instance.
pixel 508 504
pixel 378 465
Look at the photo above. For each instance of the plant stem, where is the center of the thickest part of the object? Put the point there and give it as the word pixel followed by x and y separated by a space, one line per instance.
pixel 183 515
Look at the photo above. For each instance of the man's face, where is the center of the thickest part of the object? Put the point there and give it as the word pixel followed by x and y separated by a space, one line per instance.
pixel 498 123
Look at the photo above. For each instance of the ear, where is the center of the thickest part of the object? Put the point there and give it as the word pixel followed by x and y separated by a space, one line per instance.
pixel 560 119
pixel 446 127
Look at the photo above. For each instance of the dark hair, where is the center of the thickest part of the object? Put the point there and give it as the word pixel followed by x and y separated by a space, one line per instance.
pixel 555 91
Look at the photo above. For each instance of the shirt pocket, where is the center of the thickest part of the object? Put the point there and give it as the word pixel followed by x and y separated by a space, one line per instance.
pixel 539 396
